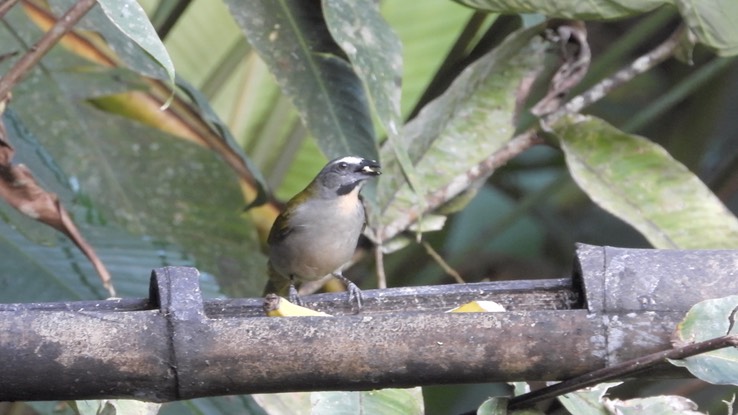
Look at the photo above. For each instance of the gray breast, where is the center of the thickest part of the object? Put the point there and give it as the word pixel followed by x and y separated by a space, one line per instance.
pixel 323 239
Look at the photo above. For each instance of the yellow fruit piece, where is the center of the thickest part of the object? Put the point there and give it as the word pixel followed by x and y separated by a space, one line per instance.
pixel 276 306
pixel 478 307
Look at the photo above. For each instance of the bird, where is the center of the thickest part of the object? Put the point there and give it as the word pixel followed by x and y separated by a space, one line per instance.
pixel 317 232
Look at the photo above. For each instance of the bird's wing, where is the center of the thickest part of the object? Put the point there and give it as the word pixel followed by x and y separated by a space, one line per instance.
pixel 279 230
pixel 366 215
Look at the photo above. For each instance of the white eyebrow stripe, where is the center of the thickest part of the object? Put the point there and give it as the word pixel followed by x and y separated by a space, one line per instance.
pixel 349 160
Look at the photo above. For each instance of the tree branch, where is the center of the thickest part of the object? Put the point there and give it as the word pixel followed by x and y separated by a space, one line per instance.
pixel 38 50
pixel 621 370
pixel 531 137
pixel 642 64
pixel 458 184
pixel 6 5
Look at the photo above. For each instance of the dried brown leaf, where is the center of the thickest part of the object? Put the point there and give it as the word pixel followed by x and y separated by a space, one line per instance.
pixel 20 190
pixel 576 56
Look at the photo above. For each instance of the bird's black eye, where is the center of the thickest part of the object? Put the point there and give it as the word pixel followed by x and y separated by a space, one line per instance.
pixel 342 165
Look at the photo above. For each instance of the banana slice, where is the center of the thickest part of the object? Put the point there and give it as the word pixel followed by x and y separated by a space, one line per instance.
pixel 276 306
pixel 478 307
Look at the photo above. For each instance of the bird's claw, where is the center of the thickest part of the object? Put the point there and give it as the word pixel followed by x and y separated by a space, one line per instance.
pixel 354 294
pixel 294 297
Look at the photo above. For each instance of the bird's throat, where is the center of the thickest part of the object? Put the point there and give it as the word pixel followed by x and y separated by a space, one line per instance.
pixel 349 202
pixel 345 189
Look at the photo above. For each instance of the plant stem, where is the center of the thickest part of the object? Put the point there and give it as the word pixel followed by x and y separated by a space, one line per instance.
pixel 621 370
pixel 6 5
pixel 38 50
pixel 483 169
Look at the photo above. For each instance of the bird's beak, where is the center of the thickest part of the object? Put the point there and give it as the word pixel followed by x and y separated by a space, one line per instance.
pixel 371 167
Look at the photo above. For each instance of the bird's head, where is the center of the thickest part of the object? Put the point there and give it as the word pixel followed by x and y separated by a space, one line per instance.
pixel 344 174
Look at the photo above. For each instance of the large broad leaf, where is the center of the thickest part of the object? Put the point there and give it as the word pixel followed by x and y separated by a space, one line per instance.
pixel 126 176
pixel 704 321
pixel 639 182
pixel 587 401
pixel 427 35
pixel 127 31
pixel 131 19
pixel 712 21
pixel 60 272
pixel 40 264
pixel 220 405
pixel 376 54
pixel 605 9
pixel 473 119
pixel 115 407
pixel 496 406
pixel 140 98
pixel 383 401
pixel 656 405
pixel 225 139
pixel 166 189
pixel 292 38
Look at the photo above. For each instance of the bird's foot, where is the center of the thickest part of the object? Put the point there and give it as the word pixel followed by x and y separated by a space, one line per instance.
pixel 354 293
pixel 294 297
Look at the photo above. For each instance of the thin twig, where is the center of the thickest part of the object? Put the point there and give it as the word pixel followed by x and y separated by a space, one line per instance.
pixel 379 259
pixel 442 263
pixel 6 5
pixel 530 137
pixel 37 51
pixel 621 370
pixel 460 183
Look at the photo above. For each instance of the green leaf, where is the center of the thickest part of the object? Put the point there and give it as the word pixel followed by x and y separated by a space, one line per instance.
pixel 712 21
pixel 493 406
pixel 571 9
pixel 498 406
pixel 292 38
pixel 37 273
pixel 520 388
pixel 227 140
pixel 131 19
pixel 133 54
pixel 587 401
pixel 427 34
pixel 115 407
pixel 60 272
pixel 175 195
pixel 219 405
pixel 44 265
pixel 376 54
pixel 707 320
pixel 295 403
pixel 473 119
pixel 640 183
pixel 656 405
pixel 383 401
